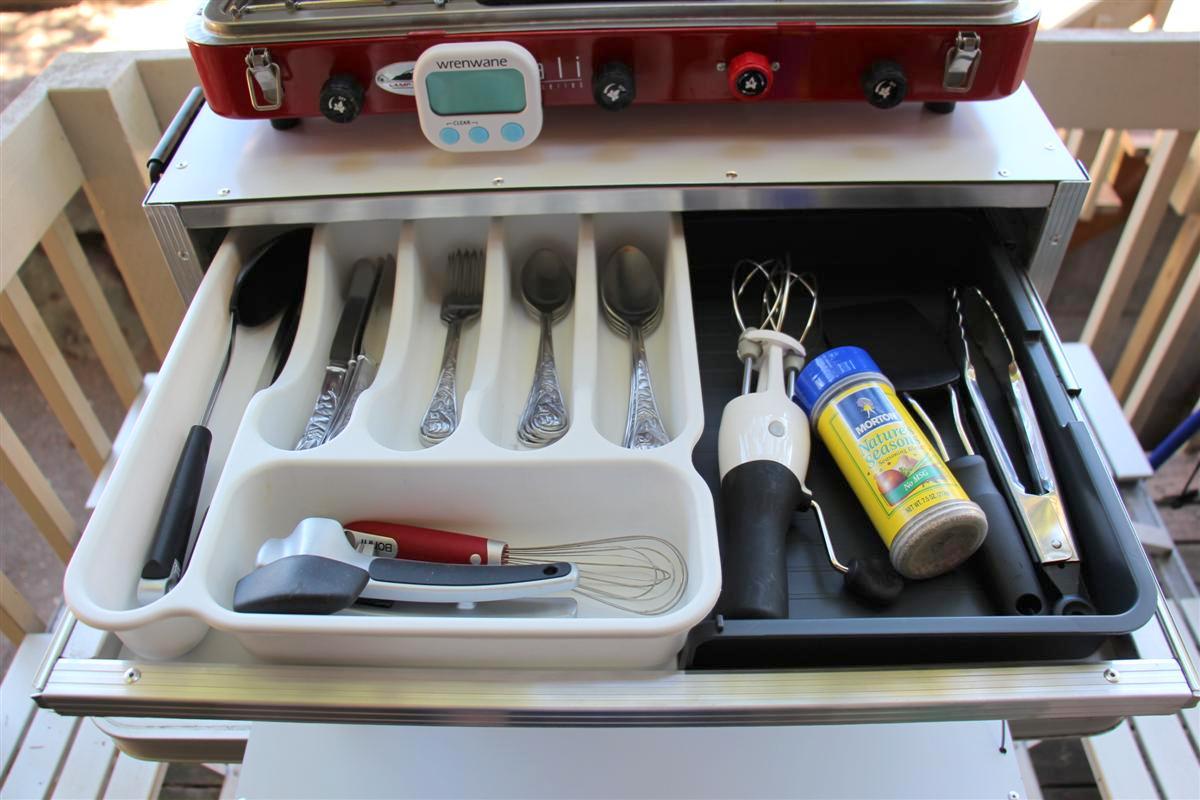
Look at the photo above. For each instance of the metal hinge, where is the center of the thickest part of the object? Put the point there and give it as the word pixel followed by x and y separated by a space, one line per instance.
pixel 262 72
pixel 962 62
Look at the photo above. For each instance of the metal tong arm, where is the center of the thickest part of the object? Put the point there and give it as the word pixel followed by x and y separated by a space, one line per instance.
pixel 1041 517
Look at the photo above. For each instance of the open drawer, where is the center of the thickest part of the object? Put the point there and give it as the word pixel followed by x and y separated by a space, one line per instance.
pixel 190 655
pixel 990 195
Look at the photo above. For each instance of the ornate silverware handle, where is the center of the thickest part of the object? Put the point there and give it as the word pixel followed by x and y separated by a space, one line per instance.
pixel 362 375
pixel 644 429
pixel 546 409
pixel 441 418
pixel 324 410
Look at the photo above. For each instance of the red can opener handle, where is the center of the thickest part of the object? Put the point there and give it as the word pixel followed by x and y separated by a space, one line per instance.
pixel 396 540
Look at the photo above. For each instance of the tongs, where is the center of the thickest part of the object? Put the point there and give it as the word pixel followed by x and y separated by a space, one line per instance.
pixel 1039 510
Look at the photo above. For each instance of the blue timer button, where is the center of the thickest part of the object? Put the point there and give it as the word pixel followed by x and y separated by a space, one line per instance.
pixel 512 132
pixel 449 135
pixel 478 135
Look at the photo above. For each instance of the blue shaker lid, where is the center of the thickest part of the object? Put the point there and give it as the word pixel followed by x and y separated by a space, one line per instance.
pixel 827 369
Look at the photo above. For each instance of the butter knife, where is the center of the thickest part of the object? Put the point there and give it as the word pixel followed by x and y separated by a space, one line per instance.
pixel 343 353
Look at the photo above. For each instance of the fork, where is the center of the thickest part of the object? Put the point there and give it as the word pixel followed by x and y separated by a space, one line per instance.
pixel 462 303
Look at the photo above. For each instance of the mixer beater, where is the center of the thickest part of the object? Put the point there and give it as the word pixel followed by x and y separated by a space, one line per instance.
pixel 763 449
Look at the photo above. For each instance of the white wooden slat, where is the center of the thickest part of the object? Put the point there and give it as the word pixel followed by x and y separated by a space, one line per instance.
pixel 85 772
pixel 29 485
pixel 1186 613
pixel 1117 765
pixel 41 755
pixel 1171 756
pixel 134 779
pixel 1087 145
pixel 168 79
pixel 1183 252
pixel 1191 723
pixel 17 617
pixel 1185 199
pixel 1168 156
pixel 16 708
pixel 37 166
pixel 1181 323
pixel 230 785
pixel 1101 168
pixel 1033 789
pixel 45 362
pixel 1141 75
pixel 1103 13
pixel 87 298
pixel 1126 458
pixel 107 117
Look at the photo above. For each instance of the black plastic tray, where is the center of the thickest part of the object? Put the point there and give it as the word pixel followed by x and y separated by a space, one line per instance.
pixel 866 256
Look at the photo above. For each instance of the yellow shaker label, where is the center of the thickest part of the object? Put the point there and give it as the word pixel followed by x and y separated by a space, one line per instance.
pixel 894 471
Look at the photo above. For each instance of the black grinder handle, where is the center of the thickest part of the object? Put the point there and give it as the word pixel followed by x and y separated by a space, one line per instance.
pixel 174 528
pixel 1003 558
pixel 759 499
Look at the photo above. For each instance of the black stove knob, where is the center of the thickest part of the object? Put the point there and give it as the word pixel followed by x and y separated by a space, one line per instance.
pixel 885 84
pixel 613 86
pixel 342 98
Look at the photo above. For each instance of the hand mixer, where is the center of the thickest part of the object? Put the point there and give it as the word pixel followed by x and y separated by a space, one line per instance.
pixel 763 448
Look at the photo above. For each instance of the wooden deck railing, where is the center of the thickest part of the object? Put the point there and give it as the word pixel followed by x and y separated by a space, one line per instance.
pixel 90 121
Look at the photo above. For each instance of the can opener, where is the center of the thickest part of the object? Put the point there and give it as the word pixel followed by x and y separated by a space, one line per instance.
pixel 1040 512
pixel 317 570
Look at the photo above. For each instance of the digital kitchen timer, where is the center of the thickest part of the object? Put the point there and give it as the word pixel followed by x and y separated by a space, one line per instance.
pixel 478 96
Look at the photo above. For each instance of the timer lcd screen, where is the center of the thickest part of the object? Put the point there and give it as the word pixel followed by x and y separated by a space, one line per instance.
pixel 480 91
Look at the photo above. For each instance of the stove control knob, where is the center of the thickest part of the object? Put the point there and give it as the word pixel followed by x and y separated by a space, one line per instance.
pixel 613 86
pixel 342 98
pixel 750 76
pixel 885 84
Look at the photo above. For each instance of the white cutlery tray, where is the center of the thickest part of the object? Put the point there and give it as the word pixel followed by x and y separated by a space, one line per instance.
pixel 479 480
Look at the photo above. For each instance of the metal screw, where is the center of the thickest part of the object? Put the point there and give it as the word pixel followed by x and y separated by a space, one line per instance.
pixel 1055 239
pixel 223 192
pixel 1112 676
pixel 774 66
pixel 183 255
pixel 133 675
pixel 181 165
pixel 720 66
pixel 776 428
pixel 1056 543
pixel 497 181
pixel 1004 173
pixel 1014 796
pixel 731 174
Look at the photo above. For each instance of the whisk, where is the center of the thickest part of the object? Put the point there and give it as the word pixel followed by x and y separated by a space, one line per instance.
pixel 644 575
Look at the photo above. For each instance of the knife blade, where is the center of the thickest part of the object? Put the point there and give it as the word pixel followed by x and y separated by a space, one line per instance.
pixel 343 353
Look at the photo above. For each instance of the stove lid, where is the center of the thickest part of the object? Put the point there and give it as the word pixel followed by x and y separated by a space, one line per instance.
pixel 265 20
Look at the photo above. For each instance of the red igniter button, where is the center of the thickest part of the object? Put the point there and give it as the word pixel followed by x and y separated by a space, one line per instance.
pixel 750 76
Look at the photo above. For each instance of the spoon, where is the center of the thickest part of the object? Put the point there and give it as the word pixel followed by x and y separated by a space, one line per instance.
pixel 632 299
pixel 547 289
pixel 270 282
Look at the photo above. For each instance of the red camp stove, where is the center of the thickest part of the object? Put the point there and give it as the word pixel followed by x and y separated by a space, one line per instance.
pixel 286 59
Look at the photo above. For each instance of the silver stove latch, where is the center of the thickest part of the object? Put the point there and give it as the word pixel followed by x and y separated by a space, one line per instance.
pixel 263 73
pixel 962 62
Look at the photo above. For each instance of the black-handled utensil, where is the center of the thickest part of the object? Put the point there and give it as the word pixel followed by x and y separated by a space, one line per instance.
pixel 1009 573
pixel 272 280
